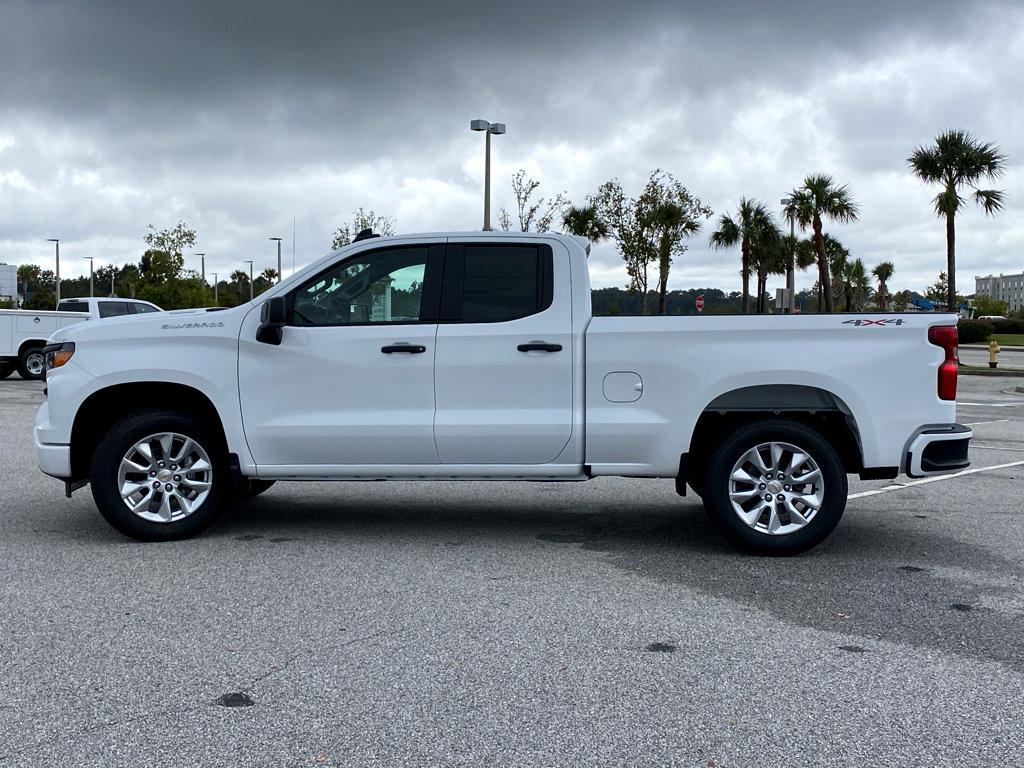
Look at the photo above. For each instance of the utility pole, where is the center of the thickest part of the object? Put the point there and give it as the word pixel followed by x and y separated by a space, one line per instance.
pixel 251 295
pixel 91 293
pixel 488 128
pixel 791 265
pixel 278 258
pixel 215 302
pixel 56 244
pixel 202 268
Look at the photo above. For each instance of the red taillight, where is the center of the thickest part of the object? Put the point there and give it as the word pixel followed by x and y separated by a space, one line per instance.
pixel 946 338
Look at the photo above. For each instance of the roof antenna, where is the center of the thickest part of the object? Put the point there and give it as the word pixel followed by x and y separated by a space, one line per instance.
pixel 365 235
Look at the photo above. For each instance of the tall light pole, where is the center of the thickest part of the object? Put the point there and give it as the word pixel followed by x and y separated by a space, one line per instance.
pixel 56 245
pixel 278 258
pixel 791 266
pixel 91 293
pixel 251 295
pixel 488 128
pixel 216 303
pixel 202 267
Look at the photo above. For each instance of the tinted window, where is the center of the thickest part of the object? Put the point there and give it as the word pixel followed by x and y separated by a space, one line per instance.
pixel 140 307
pixel 69 306
pixel 378 287
pixel 504 282
pixel 112 309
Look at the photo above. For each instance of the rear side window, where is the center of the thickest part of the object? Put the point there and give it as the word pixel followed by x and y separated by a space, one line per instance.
pixel 499 282
pixel 113 309
pixel 67 306
pixel 140 307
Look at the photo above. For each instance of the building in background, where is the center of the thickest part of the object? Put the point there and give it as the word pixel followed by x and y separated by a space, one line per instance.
pixel 9 284
pixel 1008 288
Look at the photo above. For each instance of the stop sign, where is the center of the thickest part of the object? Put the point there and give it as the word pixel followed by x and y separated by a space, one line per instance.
pixel 700 302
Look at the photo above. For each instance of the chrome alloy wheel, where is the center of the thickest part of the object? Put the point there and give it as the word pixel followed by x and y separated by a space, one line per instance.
pixel 35 363
pixel 165 477
pixel 776 488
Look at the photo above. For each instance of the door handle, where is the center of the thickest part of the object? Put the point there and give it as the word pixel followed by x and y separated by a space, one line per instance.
pixel 539 346
pixel 403 347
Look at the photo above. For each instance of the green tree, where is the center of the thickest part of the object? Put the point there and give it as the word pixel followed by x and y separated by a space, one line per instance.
pixel 28 274
pixel 585 222
pixel 746 228
pixel 641 235
pixel 362 220
pixel 173 240
pixel 939 293
pixel 817 199
pixel 986 305
pixel 883 271
pixel 671 223
pixel 769 255
pixel 957 160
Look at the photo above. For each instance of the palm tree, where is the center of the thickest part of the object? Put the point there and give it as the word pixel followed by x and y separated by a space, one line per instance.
pixel 819 198
pixel 585 222
pixel 883 271
pixel 671 223
pixel 239 278
pixel 838 257
pixel 769 255
pixel 858 285
pixel 956 160
pixel 751 217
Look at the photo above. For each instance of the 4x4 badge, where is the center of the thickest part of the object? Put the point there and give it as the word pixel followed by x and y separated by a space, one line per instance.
pixel 873 322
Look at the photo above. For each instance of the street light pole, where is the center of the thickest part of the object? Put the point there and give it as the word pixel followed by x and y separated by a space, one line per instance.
pixel 202 268
pixel 91 293
pixel 251 295
pixel 215 302
pixel 56 244
pixel 278 258
pixel 488 128
pixel 791 266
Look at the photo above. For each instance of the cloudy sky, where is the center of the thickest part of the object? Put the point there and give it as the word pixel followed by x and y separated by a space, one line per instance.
pixel 233 116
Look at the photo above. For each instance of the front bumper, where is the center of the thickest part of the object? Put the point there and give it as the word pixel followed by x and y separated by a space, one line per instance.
pixel 54 458
pixel 938 450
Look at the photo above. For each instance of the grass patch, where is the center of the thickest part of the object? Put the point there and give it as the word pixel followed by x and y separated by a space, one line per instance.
pixel 1013 340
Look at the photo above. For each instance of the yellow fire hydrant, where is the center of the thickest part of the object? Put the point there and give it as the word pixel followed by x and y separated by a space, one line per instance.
pixel 993 354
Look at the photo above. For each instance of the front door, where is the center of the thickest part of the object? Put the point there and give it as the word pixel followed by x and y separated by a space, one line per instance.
pixel 504 360
pixel 352 382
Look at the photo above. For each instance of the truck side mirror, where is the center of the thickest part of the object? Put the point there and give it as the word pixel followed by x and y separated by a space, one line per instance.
pixel 273 319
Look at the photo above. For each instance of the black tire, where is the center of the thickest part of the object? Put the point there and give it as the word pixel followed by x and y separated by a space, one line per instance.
pixel 6 369
pixel 28 363
pixel 755 540
pixel 254 488
pixel 113 447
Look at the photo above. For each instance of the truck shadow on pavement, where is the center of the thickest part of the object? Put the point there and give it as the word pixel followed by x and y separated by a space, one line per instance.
pixel 879 577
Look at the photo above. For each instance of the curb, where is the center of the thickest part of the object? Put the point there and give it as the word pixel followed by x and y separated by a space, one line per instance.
pixel 990 372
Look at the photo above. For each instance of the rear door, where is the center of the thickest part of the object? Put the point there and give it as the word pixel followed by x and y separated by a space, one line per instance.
pixel 503 361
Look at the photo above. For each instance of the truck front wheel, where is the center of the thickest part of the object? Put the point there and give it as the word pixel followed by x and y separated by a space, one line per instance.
pixel 776 487
pixel 160 475
pixel 32 363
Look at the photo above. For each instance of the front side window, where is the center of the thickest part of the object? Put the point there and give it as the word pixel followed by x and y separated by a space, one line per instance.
pixel 113 309
pixel 379 287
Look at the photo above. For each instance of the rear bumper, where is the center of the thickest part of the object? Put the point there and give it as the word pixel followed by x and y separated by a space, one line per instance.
pixel 937 450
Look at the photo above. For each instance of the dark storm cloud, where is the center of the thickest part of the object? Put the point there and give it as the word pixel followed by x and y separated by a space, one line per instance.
pixel 235 115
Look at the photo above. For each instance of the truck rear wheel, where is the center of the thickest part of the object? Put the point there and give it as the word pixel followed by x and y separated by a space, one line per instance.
pixel 776 487
pixel 160 475
pixel 32 363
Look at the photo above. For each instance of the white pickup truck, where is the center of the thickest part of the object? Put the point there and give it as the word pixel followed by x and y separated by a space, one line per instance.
pixel 475 356
pixel 23 333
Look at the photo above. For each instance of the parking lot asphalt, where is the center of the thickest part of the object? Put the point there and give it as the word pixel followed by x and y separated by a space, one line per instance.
pixel 493 623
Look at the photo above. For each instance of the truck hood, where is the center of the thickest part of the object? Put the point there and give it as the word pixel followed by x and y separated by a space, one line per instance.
pixel 155 324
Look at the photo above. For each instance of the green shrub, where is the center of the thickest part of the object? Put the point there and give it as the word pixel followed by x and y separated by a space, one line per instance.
pixel 975 330
pixel 1008 326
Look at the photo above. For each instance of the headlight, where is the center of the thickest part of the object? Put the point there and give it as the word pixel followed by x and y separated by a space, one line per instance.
pixel 58 354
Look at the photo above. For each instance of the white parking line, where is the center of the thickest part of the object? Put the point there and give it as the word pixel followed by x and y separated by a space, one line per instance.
pixel 994 448
pixel 993 405
pixel 897 487
pixel 989 422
